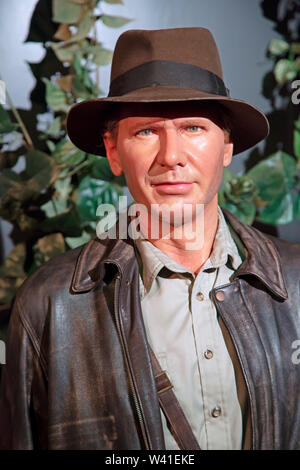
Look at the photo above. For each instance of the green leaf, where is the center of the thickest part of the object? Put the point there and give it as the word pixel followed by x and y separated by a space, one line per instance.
pixel 66 153
pixel 93 192
pixel 297 143
pixel 297 207
pixel 14 262
pixel 8 159
pixel 48 247
pixel 114 21
pixel 227 177
pixel 7 290
pixel 295 47
pixel 221 198
pixel 59 201
pixel 78 88
pixel 66 222
pixel 80 2
pixel 88 83
pixel 55 128
pixel 79 70
pixel 102 56
pixel 101 170
pixel 274 176
pixel 278 47
pixel 41 170
pixel 237 195
pixel 83 28
pixel 120 2
pixel 237 188
pixel 55 97
pixel 74 242
pixel 65 11
pixel 63 187
pixel 279 211
pixel 54 207
pixel 244 211
pixel 92 158
pixel 65 53
pixel 26 223
pixel 9 182
pixel 297 124
pixel 12 273
pixel 5 123
pixel 17 189
pixel 82 84
pixel 285 70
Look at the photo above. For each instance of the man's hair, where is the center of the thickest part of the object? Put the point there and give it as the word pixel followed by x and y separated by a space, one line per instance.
pixel 221 115
pixel 110 126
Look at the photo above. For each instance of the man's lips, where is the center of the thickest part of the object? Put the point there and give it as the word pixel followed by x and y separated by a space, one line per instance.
pixel 173 187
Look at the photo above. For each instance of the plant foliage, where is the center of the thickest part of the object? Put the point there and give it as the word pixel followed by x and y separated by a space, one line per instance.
pixel 52 203
pixel 269 192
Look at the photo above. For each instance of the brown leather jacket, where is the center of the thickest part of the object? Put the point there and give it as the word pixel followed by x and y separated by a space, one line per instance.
pixel 78 372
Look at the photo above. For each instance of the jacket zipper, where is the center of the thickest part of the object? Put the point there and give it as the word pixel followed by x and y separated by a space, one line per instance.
pixel 129 371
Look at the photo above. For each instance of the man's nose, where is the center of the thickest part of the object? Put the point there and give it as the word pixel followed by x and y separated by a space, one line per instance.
pixel 170 150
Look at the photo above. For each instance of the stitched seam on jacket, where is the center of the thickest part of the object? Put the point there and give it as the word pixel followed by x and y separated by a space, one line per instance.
pixel 277 258
pixel 33 338
pixel 266 355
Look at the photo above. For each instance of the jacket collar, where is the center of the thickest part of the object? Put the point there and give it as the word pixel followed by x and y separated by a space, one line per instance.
pixel 262 259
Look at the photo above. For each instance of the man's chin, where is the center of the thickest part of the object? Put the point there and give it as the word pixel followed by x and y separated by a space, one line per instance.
pixel 176 213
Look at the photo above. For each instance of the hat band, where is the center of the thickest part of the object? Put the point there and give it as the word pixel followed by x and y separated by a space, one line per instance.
pixel 167 73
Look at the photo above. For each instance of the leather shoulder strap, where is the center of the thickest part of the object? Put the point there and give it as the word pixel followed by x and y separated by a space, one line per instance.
pixel 180 427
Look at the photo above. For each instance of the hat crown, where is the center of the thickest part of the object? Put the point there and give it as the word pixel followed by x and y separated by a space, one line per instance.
pixel 194 46
pixel 178 65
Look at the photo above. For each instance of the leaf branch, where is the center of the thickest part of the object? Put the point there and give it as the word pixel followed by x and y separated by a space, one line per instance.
pixel 19 121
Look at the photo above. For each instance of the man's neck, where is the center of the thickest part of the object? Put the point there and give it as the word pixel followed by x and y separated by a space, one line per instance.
pixel 185 251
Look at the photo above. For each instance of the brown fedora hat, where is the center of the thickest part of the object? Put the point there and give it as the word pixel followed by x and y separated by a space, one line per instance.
pixel 163 66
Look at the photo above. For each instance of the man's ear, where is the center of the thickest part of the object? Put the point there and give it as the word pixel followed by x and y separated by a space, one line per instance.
pixel 112 153
pixel 228 149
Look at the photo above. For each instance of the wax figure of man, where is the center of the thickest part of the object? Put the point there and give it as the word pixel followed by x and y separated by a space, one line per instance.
pixel 93 330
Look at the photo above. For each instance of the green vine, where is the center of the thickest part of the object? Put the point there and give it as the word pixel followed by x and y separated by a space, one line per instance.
pixel 269 192
pixel 52 203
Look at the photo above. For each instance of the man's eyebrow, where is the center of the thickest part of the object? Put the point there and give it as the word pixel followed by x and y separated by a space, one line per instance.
pixel 156 122
pixel 144 124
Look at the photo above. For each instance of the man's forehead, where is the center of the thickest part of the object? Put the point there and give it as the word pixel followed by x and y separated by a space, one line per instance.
pixel 136 121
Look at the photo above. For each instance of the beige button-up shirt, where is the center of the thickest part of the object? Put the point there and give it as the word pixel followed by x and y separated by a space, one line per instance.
pixel 183 330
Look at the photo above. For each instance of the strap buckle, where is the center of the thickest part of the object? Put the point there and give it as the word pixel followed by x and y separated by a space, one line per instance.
pixel 163 382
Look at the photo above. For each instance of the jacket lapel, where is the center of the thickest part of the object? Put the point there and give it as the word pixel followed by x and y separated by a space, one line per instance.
pixel 262 259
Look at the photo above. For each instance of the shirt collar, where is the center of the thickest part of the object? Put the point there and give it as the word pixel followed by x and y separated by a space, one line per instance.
pixel 153 259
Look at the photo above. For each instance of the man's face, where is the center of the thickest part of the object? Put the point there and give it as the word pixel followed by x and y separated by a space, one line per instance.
pixel 174 157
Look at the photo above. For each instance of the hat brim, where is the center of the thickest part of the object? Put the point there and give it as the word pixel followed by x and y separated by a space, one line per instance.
pixel 86 119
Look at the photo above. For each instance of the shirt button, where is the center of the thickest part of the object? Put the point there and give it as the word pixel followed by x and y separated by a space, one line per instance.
pixel 216 412
pixel 199 296
pixel 220 295
pixel 208 354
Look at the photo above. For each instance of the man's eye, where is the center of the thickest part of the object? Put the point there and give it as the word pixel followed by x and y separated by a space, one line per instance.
pixel 144 132
pixel 193 128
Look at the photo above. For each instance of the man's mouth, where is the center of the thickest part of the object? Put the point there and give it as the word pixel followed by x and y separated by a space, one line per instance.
pixel 173 187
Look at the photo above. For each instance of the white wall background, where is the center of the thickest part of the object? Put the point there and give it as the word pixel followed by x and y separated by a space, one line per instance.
pixel 240 30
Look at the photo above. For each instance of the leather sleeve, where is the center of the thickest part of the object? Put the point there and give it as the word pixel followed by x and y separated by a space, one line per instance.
pixel 16 386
